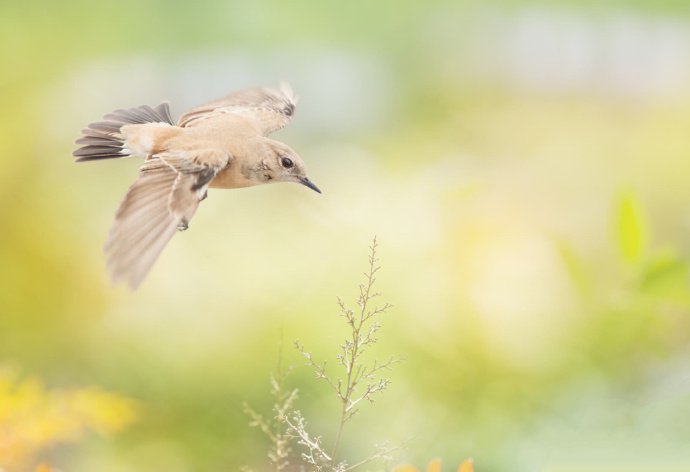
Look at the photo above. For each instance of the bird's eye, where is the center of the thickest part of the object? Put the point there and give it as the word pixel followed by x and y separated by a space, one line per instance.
pixel 289 109
pixel 286 162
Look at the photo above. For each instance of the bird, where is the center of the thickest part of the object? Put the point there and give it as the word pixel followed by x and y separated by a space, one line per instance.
pixel 221 144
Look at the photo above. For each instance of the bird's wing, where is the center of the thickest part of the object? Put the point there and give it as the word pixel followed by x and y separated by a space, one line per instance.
pixel 268 109
pixel 162 200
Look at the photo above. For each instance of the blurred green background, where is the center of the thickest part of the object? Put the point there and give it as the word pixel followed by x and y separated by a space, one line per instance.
pixel 524 164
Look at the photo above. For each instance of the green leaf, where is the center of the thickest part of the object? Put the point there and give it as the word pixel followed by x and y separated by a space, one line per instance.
pixel 666 275
pixel 631 229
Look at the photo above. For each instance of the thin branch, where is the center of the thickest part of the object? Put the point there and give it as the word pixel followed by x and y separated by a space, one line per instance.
pixel 320 370
pixel 382 454
pixel 315 456
pixel 360 380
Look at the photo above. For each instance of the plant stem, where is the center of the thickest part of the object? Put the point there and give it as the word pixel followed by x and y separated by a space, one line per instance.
pixel 348 393
pixel 365 295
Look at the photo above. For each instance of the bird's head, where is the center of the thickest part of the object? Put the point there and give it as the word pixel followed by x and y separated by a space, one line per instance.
pixel 282 164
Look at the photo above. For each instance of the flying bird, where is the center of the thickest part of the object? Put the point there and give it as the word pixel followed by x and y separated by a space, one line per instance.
pixel 221 144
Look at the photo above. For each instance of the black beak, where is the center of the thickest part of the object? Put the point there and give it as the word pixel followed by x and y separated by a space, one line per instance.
pixel 310 184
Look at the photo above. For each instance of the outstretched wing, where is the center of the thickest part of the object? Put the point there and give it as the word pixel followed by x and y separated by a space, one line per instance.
pixel 269 109
pixel 162 200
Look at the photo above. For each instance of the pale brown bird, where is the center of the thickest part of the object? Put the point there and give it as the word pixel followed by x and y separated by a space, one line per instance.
pixel 222 144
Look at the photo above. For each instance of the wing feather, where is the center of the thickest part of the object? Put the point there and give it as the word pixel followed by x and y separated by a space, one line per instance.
pixel 162 200
pixel 269 109
pixel 139 224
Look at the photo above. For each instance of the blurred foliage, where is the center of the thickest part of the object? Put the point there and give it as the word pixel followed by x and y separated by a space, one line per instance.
pixel 33 419
pixel 631 230
pixel 435 466
pixel 524 163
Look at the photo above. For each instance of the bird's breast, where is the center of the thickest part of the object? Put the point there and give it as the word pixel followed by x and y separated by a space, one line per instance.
pixel 231 177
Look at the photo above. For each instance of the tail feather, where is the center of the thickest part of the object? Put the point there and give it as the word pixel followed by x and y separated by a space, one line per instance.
pixel 103 127
pixel 102 139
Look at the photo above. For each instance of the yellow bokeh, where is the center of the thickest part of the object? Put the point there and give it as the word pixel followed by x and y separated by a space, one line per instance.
pixel 524 165
pixel 34 418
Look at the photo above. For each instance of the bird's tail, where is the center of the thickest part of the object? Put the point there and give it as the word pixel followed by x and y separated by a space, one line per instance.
pixel 103 140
